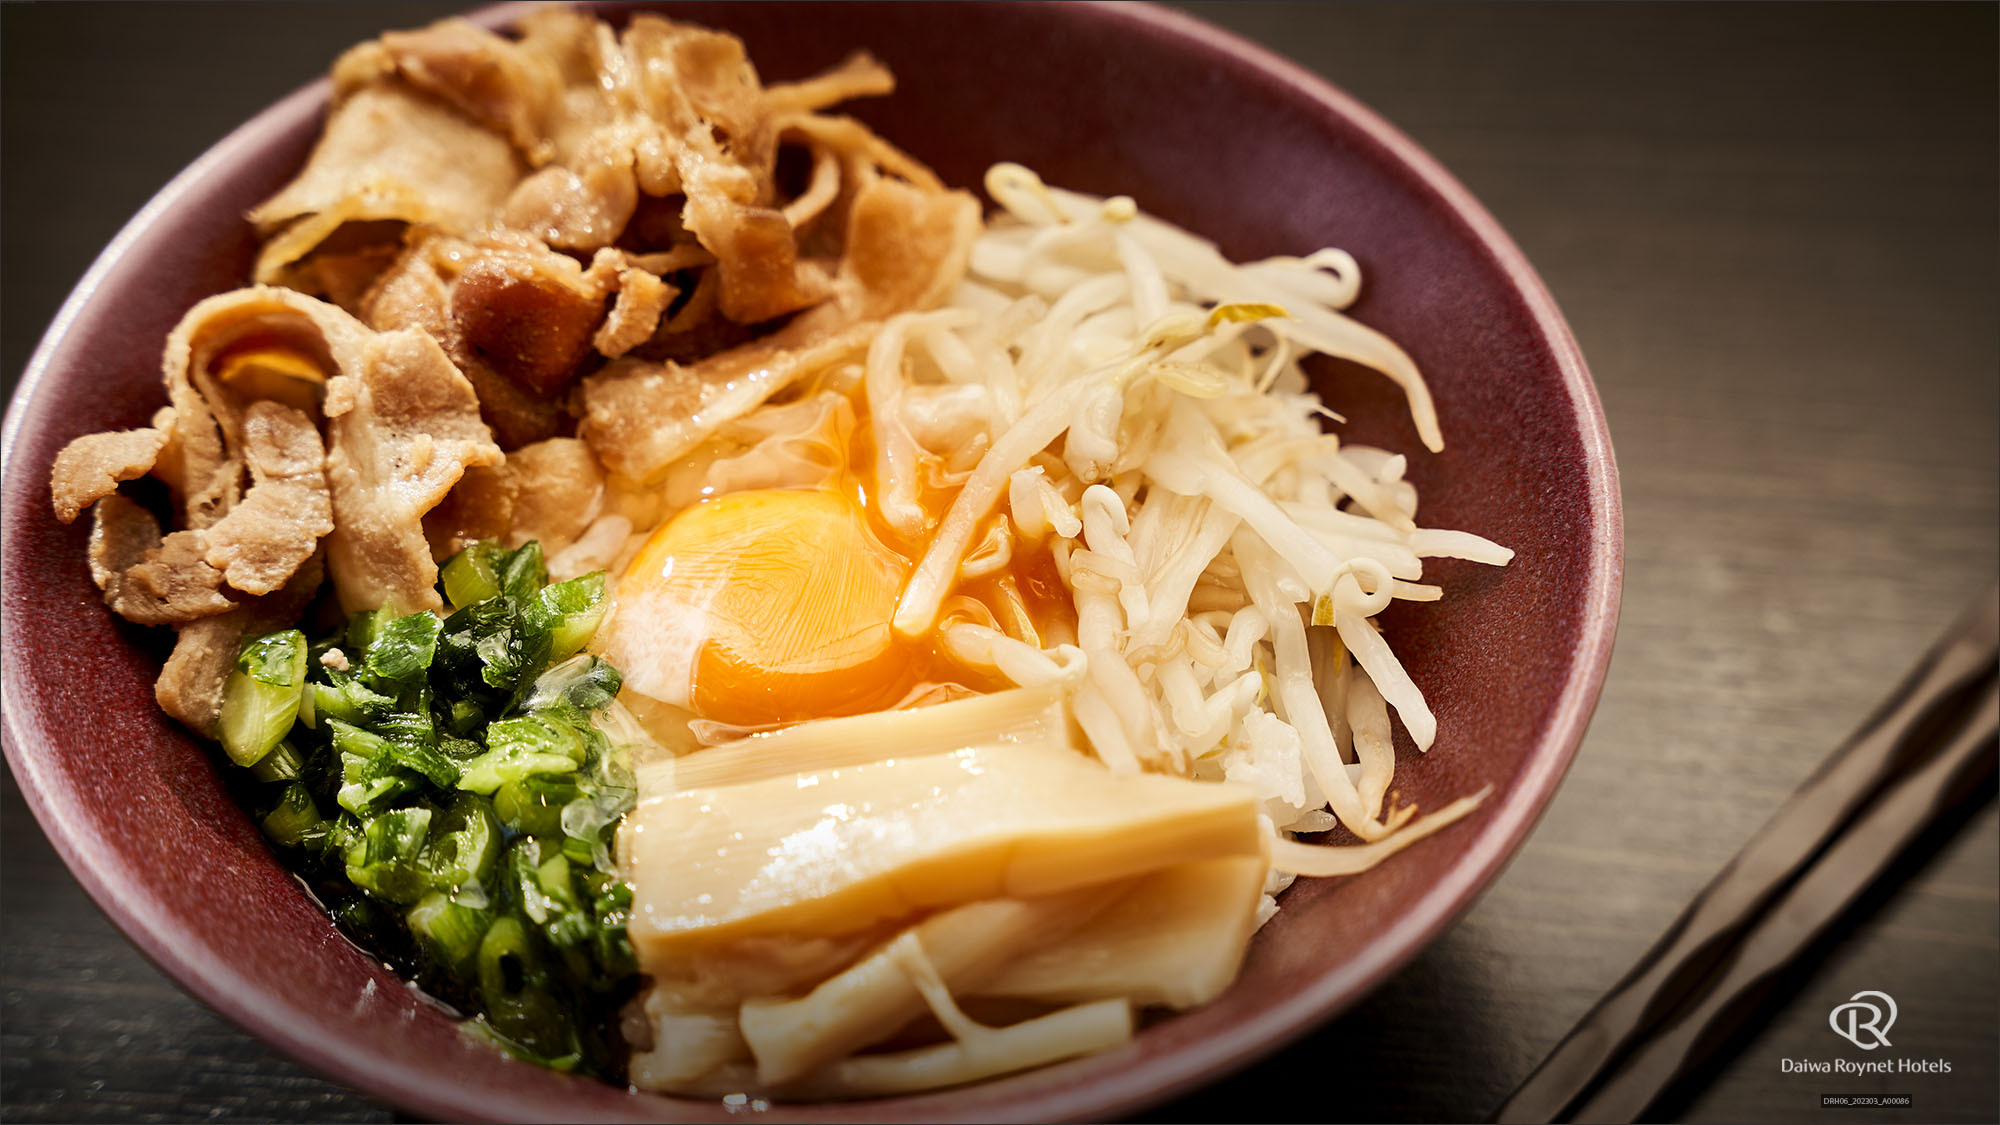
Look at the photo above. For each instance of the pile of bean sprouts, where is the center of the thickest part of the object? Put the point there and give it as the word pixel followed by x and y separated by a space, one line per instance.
pixel 1120 390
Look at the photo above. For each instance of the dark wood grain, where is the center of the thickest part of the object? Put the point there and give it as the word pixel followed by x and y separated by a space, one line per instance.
pixel 1773 231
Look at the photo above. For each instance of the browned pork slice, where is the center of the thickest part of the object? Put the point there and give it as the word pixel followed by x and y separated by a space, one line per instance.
pixel 121 532
pixel 390 155
pixel 190 684
pixel 255 548
pixel 490 79
pixel 195 463
pixel 641 417
pixel 859 75
pixel 264 540
pixel 228 353
pixel 660 139
pixel 91 467
pixel 642 299
pixel 404 426
pixel 702 91
pixel 248 369
pixel 529 315
pixel 756 254
pixel 596 85
pixel 548 492
pixel 582 209
pixel 675 113
pixel 416 293
pixel 906 248
pixel 556 485
pixel 430 127
pixel 172 582
pixel 517 318
pixel 479 506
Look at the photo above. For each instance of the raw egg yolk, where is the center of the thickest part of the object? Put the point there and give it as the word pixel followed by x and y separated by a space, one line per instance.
pixel 767 606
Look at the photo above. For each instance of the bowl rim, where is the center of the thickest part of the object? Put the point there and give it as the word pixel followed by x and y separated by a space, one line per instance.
pixel 182 956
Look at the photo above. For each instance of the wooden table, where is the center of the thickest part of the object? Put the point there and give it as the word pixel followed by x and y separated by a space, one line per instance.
pixel 1773 230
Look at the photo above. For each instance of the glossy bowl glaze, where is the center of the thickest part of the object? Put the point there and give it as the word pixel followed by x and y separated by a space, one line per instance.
pixel 1202 129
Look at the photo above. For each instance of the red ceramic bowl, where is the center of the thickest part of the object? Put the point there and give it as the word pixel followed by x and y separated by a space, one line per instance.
pixel 1202 129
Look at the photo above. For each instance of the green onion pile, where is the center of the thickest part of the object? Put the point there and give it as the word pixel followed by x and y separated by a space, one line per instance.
pixel 444 785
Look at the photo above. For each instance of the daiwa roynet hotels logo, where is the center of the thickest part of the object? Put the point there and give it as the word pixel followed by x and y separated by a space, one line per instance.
pixel 1864 1020
pixel 1863 1023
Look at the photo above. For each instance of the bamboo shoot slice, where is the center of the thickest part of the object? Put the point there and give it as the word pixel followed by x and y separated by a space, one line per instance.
pixel 875 998
pixel 1082 1030
pixel 842 850
pixel 1175 939
pixel 1023 716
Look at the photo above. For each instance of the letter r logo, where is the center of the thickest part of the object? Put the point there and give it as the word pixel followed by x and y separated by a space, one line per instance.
pixel 1862 1022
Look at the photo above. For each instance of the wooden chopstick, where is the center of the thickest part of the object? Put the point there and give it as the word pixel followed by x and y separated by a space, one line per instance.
pixel 1922 751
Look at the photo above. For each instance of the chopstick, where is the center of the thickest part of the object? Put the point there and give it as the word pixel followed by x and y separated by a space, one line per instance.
pixel 1928 747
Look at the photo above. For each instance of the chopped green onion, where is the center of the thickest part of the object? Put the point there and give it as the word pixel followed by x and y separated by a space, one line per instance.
pixel 525 574
pixel 287 824
pixel 613 950
pixel 362 627
pixel 534 804
pixel 403 648
pixel 411 723
pixel 359 914
pixel 553 878
pixel 572 933
pixel 369 777
pixel 350 740
pixel 386 860
pixel 539 734
pixel 573 610
pixel 531 744
pixel 449 930
pixel 350 701
pixel 464 716
pixel 309 703
pixel 473 575
pixel 581 850
pixel 524 879
pixel 345 831
pixel 460 769
pixel 418 750
pixel 465 843
pixel 275 659
pixel 583 682
pixel 494 645
pixel 260 700
pixel 283 763
pixel 459 663
pixel 513 983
